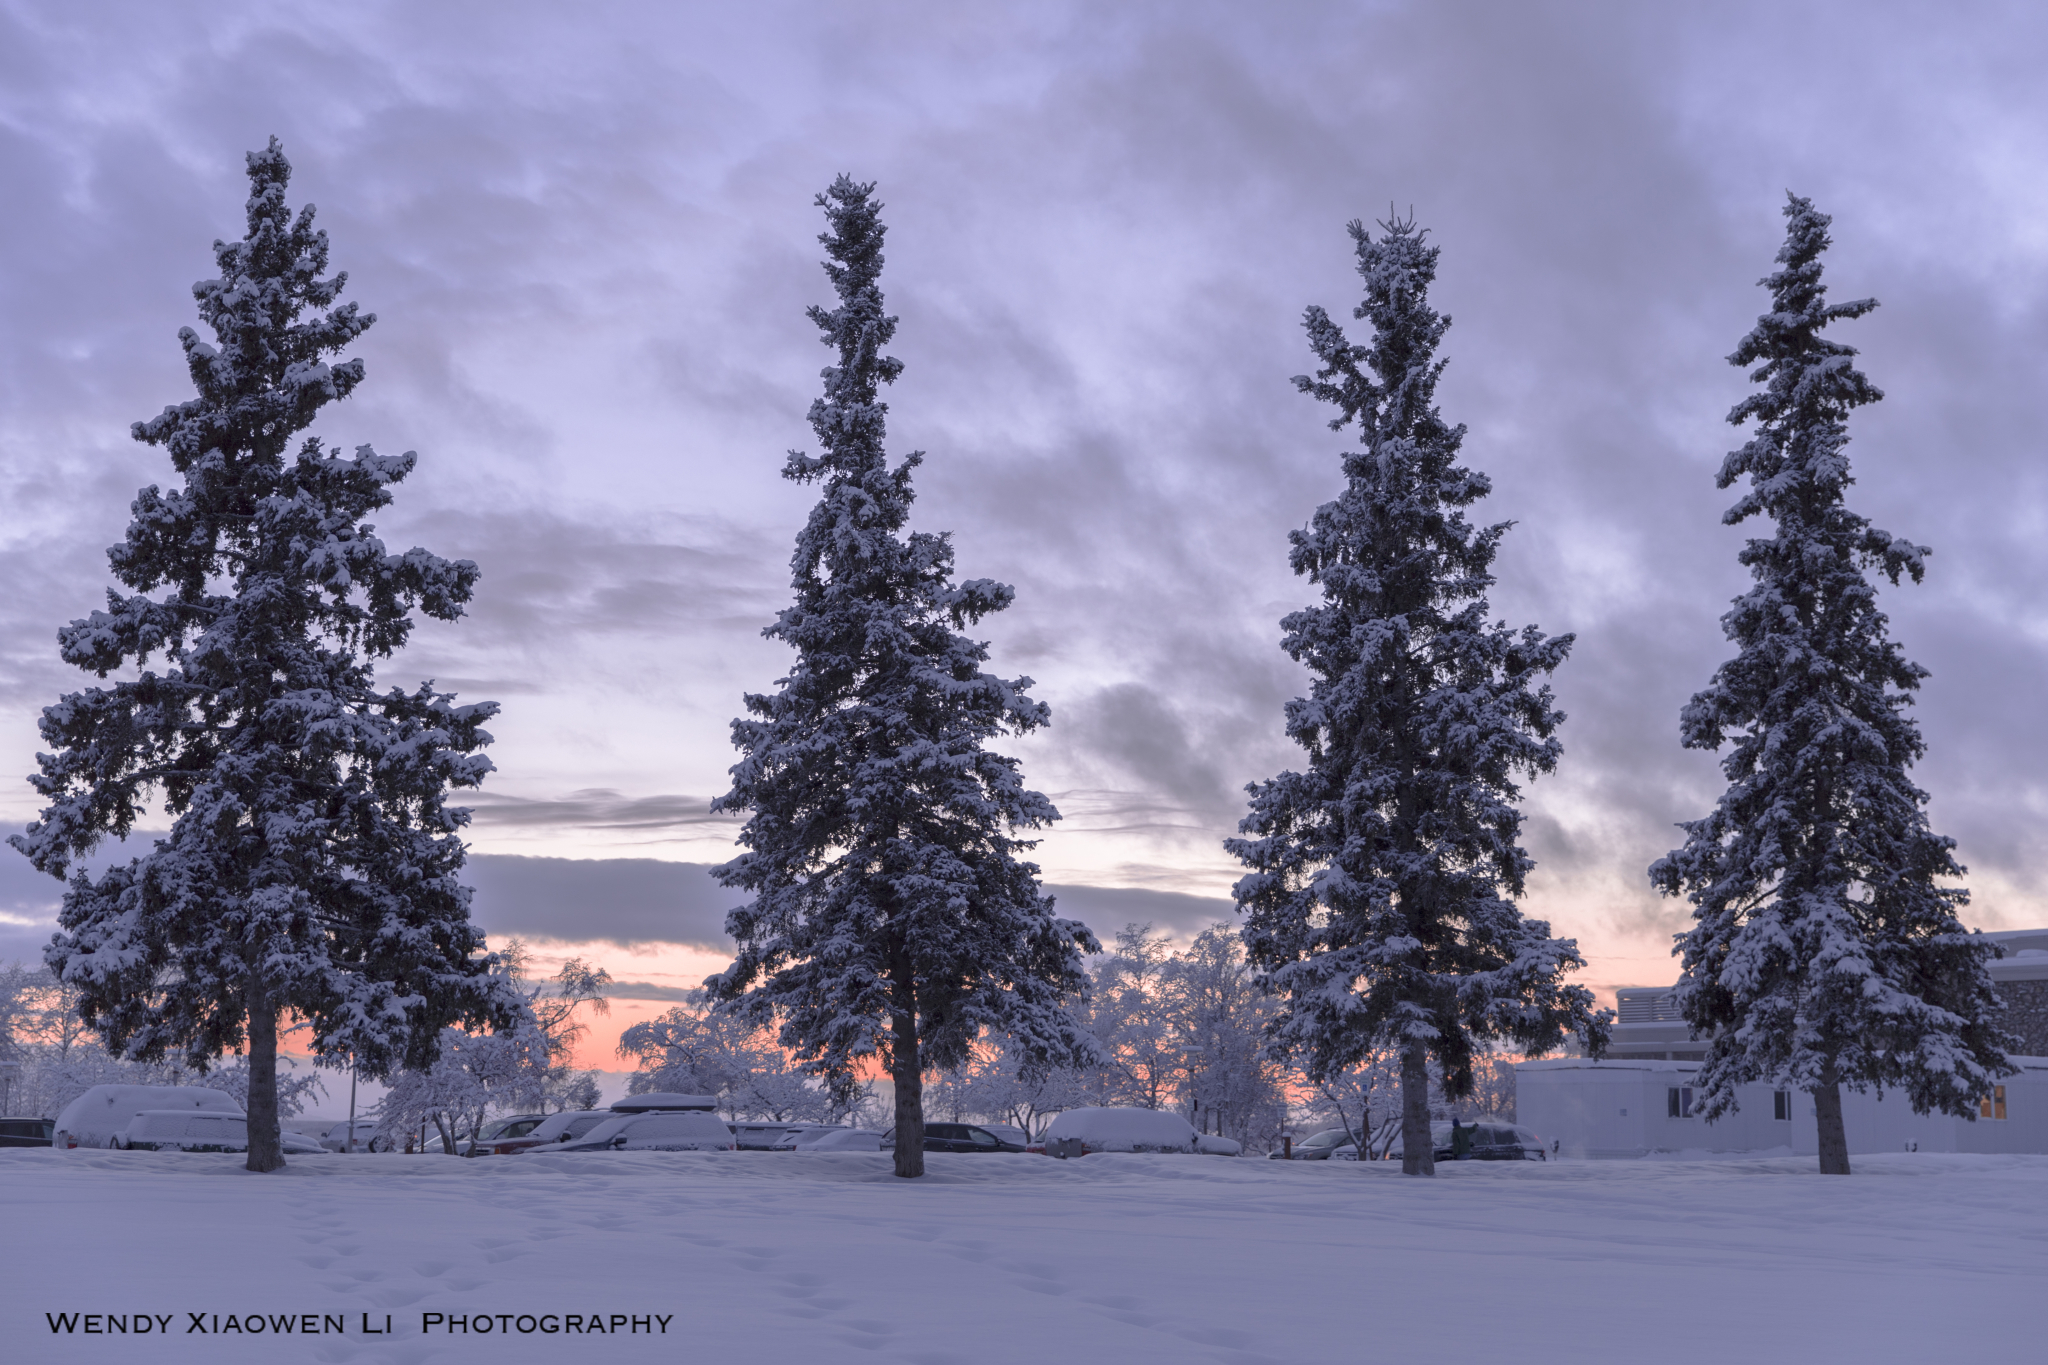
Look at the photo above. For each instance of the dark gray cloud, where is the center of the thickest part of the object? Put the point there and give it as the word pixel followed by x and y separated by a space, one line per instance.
pixel 633 901
pixel 590 243
pixel 617 900
pixel 597 809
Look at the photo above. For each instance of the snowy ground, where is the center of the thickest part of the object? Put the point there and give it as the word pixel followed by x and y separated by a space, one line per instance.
pixel 764 1258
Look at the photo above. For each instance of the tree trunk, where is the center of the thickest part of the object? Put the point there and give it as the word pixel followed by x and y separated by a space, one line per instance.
pixel 266 1149
pixel 906 1069
pixel 1827 1113
pixel 1418 1151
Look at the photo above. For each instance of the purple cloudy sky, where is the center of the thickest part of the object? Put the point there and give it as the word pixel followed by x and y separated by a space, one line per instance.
pixel 589 237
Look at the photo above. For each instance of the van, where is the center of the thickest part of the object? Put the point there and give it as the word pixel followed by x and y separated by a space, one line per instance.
pixel 103 1113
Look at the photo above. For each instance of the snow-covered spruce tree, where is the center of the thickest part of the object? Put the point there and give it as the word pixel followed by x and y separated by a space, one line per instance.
pixel 892 916
pixel 1380 901
pixel 1826 949
pixel 312 863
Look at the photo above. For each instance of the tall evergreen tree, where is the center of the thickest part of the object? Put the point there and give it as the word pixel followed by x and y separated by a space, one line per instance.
pixel 312 863
pixel 1825 950
pixel 1380 901
pixel 892 916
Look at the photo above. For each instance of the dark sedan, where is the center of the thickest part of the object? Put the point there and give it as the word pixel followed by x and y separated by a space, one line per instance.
pixel 27 1132
pixel 1316 1147
pixel 1492 1142
pixel 958 1137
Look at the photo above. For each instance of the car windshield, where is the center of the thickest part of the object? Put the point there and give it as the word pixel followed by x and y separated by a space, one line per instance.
pixel 1329 1137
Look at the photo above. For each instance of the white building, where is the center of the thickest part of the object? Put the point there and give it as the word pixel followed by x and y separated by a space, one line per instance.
pixel 1641 1098
pixel 1634 1108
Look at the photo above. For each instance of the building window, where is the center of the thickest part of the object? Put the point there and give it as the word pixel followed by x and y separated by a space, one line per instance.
pixel 1781 1105
pixel 1678 1102
pixel 1992 1106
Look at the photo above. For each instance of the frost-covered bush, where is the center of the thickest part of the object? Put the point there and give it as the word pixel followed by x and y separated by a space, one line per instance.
pixel 698 1050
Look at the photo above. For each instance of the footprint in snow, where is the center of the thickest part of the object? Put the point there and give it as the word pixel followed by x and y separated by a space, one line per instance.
pixel 1040 1279
pixel 866 1334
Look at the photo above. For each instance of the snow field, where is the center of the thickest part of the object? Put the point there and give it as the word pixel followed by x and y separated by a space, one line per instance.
pixel 767 1258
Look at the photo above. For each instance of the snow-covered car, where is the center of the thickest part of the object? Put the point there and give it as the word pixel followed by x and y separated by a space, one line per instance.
pixel 367 1138
pixel 26 1132
pixel 663 1099
pixel 1316 1146
pixel 566 1126
pixel 843 1140
pixel 660 1131
pixel 573 1124
pixel 804 1134
pixel 104 1112
pixel 1077 1132
pixel 762 1137
pixel 201 1130
pixel 504 1130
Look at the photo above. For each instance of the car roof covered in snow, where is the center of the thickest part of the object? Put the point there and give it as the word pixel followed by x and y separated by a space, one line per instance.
pixel 663 1099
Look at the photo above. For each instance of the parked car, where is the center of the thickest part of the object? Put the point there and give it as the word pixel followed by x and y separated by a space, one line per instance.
pixel 1078 1132
pixel 201 1130
pixel 957 1137
pixel 566 1126
pixel 1491 1141
pixel 1010 1132
pixel 27 1132
pixel 1316 1146
pixel 843 1140
pixel 803 1135
pixel 664 1131
pixel 505 1129
pixel 573 1124
pixel 1503 1142
pixel 367 1138
pixel 104 1112
pixel 761 1137
pixel 966 1137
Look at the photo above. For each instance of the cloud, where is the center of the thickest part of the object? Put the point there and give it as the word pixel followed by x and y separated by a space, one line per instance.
pixel 598 808
pixel 616 900
pixel 630 901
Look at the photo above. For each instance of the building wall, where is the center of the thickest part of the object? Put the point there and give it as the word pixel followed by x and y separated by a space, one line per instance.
pixel 2026 1014
pixel 1888 1123
pixel 1620 1109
